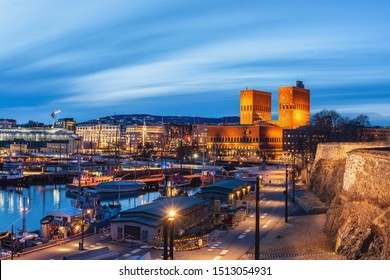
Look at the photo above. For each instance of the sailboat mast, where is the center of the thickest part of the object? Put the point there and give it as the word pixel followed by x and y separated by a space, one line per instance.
pixel 79 180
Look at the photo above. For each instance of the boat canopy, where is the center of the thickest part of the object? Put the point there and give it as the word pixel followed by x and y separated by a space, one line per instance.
pixel 66 212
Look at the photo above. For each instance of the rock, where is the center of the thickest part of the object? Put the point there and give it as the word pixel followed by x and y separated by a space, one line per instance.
pixel 355 185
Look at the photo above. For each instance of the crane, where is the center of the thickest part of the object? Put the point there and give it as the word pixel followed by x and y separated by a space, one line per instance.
pixel 53 115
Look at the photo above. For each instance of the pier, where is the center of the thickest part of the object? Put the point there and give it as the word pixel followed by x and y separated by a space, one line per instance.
pixel 49 177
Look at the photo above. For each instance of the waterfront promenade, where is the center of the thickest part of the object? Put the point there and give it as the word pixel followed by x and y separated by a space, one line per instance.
pixel 302 237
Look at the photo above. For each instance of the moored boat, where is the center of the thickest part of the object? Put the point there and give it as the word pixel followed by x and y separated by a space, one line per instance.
pixel 119 186
pixel 177 181
pixel 70 222
pixel 89 180
pixel 4 234
pixel 12 177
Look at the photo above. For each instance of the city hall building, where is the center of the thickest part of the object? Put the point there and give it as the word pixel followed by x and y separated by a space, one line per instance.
pixel 258 136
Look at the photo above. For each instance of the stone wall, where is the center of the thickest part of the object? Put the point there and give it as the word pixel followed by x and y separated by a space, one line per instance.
pixel 367 176
pixel 327 172
pixel 355 183
pixel 335 151
pixel 326 179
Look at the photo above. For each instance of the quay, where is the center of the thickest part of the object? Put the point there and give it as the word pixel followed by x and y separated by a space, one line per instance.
pixel 49 177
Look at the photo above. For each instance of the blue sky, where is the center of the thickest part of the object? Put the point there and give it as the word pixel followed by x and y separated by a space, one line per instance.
pixel 97 58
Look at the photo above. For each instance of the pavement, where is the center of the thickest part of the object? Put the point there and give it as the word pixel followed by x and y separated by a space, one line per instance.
pixel 303 237
pixel 307 200
pixel 58 250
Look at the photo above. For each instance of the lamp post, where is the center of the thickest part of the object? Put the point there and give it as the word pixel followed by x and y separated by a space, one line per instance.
pixel 203 152
pixel 259 180
pixel 81 244
pixel 285 196
pixel 293 179
pixel 171 219
pixel 168 222
pixel 168 186
pixel 215 159
pixel 165 237
pixel 195 157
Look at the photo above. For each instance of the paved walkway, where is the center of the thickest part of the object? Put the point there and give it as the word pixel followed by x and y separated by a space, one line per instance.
pixel 308 200
pixel 303 236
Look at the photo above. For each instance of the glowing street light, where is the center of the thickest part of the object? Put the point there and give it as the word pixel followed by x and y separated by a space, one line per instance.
pixel 195 156
pixel 171 214
pixel 170 220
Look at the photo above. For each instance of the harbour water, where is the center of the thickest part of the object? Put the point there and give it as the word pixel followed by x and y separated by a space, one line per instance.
pixel 41 199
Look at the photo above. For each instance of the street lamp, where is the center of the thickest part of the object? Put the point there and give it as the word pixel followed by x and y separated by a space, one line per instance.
pixel 259 182
pixel 293 178
pixel 285 196
pixel 170 220
pixel 165 237
pixel 168 186
pixel 195 156
pixel 81 244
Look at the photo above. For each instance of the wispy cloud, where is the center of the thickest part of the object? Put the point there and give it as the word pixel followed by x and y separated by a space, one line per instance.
pixel 107 55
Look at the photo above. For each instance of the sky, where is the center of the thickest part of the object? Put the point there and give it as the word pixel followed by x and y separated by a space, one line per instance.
pixel 92 59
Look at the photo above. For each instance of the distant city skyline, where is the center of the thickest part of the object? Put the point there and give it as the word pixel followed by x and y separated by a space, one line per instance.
pixel 94 59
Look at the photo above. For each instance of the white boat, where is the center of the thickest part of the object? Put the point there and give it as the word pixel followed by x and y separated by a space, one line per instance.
pixel 119 186
pixel 13 176
pixel 71 221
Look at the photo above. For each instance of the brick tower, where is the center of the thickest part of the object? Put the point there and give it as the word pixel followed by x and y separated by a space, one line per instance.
pixel 255 106
pixel 294 106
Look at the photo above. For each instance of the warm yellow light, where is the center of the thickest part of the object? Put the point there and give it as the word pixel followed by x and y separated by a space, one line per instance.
pixel 172 213
pixel 64 249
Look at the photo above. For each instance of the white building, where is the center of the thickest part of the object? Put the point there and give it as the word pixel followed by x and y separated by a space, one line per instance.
pixel 39 140
pixel 139 136
pixel 104 135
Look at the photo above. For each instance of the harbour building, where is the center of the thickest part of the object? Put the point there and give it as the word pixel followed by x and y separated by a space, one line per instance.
pixel 39 140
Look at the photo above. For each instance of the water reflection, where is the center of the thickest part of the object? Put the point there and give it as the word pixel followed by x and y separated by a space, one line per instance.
pixel 2 203
pixel 43 199
pixel 57 197
pixel 11 202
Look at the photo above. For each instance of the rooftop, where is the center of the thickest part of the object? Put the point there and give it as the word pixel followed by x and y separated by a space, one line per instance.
pixel 226 185
pixel 157 207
